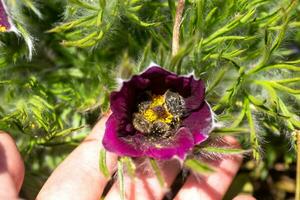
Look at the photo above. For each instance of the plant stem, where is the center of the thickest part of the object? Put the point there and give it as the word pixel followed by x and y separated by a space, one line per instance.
pixel 176 27
pixel 297 194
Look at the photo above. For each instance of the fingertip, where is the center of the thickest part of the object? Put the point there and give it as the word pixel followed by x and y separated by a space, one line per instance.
pixel 244 197
pixel 232 141
pixel 11 160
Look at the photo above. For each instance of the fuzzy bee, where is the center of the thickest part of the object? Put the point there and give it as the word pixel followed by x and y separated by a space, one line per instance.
pixel 141 124
pixel 173 103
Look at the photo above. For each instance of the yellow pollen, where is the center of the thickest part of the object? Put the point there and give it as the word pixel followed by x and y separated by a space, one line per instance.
pixel 3 29
pixel 151 115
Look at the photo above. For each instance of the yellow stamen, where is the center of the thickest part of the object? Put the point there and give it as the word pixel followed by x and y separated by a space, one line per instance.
pixel 150 114
pixel 3 29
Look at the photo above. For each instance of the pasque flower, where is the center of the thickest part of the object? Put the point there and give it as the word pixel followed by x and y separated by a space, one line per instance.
pixel 158 114
pixel 5 24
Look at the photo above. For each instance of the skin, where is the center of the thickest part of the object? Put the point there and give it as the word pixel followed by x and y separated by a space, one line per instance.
pixel 78 176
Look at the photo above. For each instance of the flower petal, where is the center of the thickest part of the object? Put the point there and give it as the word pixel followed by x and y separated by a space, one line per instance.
pixel 112 142
pixel 157 76
pixel 123 102
pixel 127 94
pixel 200 123
pixel 197 93
pixel 179 84
pixel 155 71
pixel 179 146
pixel 4 20
pixel 161 80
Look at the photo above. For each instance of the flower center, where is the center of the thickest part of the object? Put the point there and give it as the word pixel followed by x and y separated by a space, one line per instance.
pixel 2 28
pixel 157 111
pixel 159 116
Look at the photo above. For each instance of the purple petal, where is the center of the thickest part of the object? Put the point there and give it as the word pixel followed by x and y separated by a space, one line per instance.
pixel 157 76
pixel 179 146
pixel 155 72
pixel 123 102
pixel 196 99
pixel 179 84
pixel 112 142
pixel 126 96
pixel 4 20
pixel 200 123
pixel 161 80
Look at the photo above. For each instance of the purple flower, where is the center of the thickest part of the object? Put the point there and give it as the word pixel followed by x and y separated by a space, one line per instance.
pixel 158 114
pixel 5 24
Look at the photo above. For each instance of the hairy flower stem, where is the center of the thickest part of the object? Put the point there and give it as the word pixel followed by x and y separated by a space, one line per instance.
pixel 176 27
pixel 297 194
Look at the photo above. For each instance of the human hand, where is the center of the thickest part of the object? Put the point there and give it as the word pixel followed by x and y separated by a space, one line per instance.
pixel 78 176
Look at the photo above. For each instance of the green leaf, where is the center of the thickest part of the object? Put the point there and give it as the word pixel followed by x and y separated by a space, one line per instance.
pixel 230 26
pixel 255 100
pixel 224 150
pixel 210 15
pixel 157 172
pixel 30 5
pixel 228 38
pixel 84 4
pixel 292 62
pixel 284 88
pixel 280 35
pixel 135 8
pixel 234 130
pixel 6 82
pixel 72 24
pixel 102 163
pixel 102 3
pixel 198 166
pixel 87 41
pixel 276 66
pixel 137 20
pixel 269 88
pixel 28 39
pixel 67 131
pixel 253 136
pixel 288 80
pixel 121 179
pixel 130 166
pixel 292 121
pixel 262 106
pixel 247 16
pixel 238 120
pixel 217 79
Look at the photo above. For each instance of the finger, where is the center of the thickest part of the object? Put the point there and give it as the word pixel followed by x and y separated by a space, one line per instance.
pixel 11 168
pixel 215 185
pixel 145 185
pixel 78 176
pixel 244 197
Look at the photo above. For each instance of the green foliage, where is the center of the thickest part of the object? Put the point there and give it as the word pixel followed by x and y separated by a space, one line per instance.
pixel 226 151
pixel 102 163
pixel 246 51
pixel 121 179
pixel 130 166
pixel 198 166
pixel 157 172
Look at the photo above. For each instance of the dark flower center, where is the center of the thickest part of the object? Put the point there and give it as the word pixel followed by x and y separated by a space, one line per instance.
pixel 160 116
